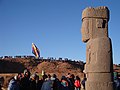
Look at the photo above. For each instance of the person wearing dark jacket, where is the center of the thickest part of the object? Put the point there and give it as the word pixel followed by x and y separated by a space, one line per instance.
pixel 117 83
pixel 25 82
pixel 56 82
pixel 13 84
pixel 33 85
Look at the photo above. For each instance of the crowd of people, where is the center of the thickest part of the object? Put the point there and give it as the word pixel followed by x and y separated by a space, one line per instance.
pixel 28 81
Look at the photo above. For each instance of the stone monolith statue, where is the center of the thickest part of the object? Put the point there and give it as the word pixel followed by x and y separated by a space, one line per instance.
pixel 99 64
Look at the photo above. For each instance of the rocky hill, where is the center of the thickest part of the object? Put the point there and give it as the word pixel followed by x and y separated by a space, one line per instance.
pixel 59 67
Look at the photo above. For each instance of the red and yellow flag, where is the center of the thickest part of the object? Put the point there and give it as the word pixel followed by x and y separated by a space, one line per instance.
pixel 35 50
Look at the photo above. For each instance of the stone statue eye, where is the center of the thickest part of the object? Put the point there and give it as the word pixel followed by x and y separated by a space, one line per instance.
pixel 100 23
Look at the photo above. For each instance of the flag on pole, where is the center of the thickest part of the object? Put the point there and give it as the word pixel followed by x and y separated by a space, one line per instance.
pixel 35 50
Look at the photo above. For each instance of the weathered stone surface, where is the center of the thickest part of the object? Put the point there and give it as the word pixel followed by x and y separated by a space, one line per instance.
pixel 99 62
pixel 99 85
pixel 98 12
pixel 98 55
pixel 93 77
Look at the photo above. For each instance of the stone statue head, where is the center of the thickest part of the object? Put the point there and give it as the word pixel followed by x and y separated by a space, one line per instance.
pixel 94 23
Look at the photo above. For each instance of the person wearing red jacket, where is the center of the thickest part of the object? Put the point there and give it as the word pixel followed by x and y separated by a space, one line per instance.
pixel 77 83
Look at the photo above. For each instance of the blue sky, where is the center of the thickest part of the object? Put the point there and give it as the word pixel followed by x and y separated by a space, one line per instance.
pixel 53 25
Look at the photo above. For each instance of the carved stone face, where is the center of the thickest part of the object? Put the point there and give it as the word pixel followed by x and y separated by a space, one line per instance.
pixel 85 30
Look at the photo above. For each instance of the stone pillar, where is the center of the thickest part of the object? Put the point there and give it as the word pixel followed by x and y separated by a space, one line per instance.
pixel 99 64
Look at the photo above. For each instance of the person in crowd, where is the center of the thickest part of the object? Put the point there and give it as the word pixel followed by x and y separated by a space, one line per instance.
pixel 47 84
pixel 33 82
pixel 13 84
pixel 64 83
pixel 20 76
pixel 83 82
pixel 56 82
pixel 77 83
pixel 38 83
pixel 70 78
pixel 116 81
pixel 25 82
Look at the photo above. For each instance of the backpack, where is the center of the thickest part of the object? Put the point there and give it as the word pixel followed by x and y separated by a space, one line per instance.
pixel 77 83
